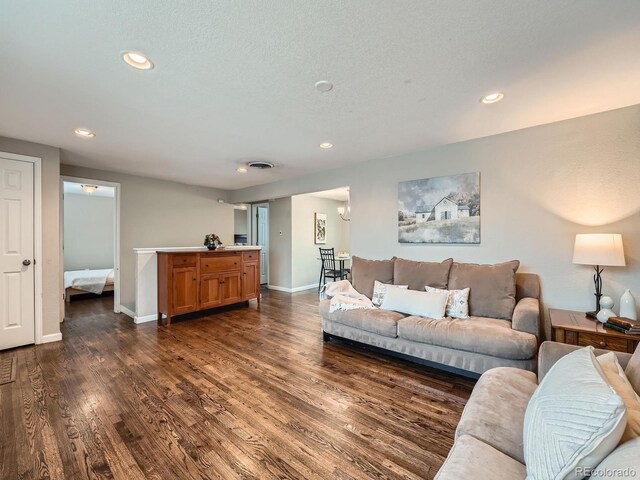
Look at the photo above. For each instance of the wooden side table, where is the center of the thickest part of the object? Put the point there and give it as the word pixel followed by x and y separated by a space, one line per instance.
pixel 575 328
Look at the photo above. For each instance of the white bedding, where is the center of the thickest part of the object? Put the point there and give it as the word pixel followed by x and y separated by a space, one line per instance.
pixel 92 281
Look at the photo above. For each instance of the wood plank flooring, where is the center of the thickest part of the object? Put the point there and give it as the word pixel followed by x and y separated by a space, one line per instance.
pixel 239 394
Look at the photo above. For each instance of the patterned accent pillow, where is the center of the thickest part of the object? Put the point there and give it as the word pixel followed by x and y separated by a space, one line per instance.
pixel 380 289
pixel 458 303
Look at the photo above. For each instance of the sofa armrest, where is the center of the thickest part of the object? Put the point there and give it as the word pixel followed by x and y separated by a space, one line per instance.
pixel 551 352
pixel 526 316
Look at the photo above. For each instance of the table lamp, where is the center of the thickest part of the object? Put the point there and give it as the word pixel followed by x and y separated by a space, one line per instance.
pixel 598 249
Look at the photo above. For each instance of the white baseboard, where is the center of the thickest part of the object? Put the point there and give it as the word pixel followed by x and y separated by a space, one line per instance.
pixel 292 290
pixel 136 319
pixel 52 337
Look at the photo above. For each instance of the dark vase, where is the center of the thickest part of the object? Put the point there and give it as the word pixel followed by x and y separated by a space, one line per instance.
pixel 212 246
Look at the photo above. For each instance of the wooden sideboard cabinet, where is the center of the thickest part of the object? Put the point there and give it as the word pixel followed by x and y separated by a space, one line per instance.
pixel 199 280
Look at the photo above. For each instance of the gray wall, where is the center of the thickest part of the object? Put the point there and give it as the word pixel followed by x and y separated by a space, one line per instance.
pixel 51 278
pixel 304 252
pixel 539 187
pixel 157 213
pixel 88 232
pixel 280 243
pixel 240 218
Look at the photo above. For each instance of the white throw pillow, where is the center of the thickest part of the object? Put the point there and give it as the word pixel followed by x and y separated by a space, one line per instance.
pixel 615 376
pixel 458 302
pixel 621 464
pixel 380 289
pixel 573 421
pixel 413 302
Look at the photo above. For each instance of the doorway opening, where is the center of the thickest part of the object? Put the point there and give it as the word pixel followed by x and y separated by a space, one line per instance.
pixel 90 239
pixel 260 236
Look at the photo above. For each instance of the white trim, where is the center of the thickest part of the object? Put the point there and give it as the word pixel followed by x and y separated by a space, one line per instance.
pixel 52 337
pixel 116 229
pixel 37 240
pixel 136 319
pixel 292 290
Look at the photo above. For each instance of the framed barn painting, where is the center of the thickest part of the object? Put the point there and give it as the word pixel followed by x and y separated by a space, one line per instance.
pixel 320 228
pixel 440 209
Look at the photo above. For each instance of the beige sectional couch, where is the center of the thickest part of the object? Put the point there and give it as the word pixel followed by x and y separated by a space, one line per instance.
pixel 502 329
pixel 489 437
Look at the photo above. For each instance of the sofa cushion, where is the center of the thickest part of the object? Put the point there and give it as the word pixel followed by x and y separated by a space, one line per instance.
pixel 493 287
pixel 420 274
pixel 381 322
pixel 573 420
pixel 364 272
pixel 412 302
pixel 632 370
pixel 472 458
pixel 495 410
pixel 488 336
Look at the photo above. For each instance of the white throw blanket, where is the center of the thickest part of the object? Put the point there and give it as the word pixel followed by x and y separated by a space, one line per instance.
pixel 92 281
pixel 344 297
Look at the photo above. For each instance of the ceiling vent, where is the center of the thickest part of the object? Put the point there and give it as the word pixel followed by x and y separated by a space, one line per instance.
pixel 260 165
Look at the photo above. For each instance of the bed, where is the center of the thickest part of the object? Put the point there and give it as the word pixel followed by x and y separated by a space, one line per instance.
pixel 78 282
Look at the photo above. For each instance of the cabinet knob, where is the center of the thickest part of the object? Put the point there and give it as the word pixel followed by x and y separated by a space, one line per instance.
pixel 603 344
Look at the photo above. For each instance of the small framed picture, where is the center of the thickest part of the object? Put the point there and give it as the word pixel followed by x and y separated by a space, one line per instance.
pixel 320 228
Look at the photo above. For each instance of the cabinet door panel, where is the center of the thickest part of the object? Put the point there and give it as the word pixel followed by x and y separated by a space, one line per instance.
pixel 185 290
pixel 250 278
pixel 210 291
pixel 231 288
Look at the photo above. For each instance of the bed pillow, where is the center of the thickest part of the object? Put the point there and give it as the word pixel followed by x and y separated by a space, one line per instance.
pixel 380 289
pixel 621 464
pixel 457 303
pixel 414 302
pixel 614 375
pixel 364 272
pixel 419 274
pixel 493 287
pixel 573 420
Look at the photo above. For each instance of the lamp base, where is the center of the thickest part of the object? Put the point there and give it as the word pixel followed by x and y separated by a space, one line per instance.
pixel 592 315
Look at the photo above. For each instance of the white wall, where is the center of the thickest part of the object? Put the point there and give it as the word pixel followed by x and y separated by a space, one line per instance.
pixel 305 266
pixel 539 187
pixel 280 243
pixel 52 291
pixel 88 232
pixel 240 222
pixel 157 213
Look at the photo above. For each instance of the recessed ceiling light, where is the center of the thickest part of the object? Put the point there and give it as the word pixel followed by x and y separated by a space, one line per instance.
pixel 84 132
pixel 492 97
pixel 326 145
pixel 324 86
pixel 241 170
pixel 137 60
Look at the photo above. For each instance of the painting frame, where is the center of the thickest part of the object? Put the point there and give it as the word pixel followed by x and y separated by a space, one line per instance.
pixel 320 228
pixel 441 210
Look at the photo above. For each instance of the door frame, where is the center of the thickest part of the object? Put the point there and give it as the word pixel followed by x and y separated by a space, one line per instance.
pixel 254 233
pixel 116 230
pixel 37 239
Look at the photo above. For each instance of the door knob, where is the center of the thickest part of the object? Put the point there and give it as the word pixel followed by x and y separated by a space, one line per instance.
pixel 26 263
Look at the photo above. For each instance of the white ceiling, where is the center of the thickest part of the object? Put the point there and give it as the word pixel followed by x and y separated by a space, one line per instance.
pixel 76 189
pixel 234 80
pixel 341 194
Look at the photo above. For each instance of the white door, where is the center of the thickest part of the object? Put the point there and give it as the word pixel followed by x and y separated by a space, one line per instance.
pixel 17 290
pixel 263 241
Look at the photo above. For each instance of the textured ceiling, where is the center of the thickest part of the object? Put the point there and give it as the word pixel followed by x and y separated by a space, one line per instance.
pixel 234 80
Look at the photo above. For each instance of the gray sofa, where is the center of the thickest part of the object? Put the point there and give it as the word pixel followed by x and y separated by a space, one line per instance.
pixel 489 437
pixel 469 346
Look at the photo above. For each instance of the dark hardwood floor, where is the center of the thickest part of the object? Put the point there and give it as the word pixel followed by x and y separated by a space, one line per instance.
pixel 239 394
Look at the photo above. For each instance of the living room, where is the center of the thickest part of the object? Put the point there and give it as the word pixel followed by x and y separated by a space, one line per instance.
pixel 482 157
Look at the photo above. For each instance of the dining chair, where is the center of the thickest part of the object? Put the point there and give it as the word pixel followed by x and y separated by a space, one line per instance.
pixel 328 269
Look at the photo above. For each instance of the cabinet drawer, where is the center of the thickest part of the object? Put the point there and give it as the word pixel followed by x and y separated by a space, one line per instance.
pixel 599 341
pixel 251 256
pixel 184 260
pixel 220 264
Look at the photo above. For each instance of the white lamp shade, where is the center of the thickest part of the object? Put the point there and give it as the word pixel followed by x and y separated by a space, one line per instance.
pixel 603 249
